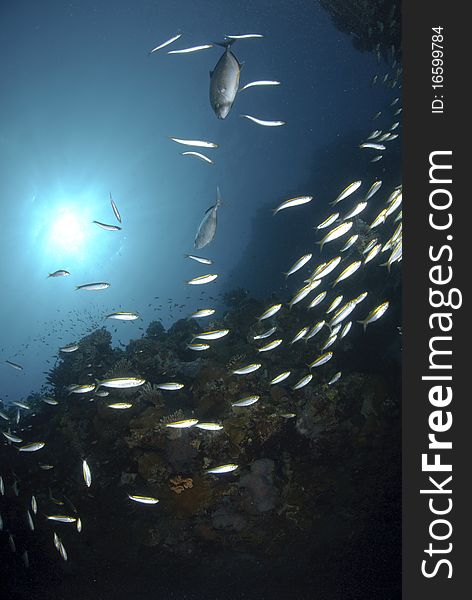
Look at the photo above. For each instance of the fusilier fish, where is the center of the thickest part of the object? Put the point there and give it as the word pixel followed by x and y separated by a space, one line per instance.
pixel 321 360
pixel 207 228
pixel 335 233
pixel 33 447
pixel 343 313
pixel 191 49
pixel 334 304
pixel 101 285
pixel 317 300
pixel 270 312
pixel 143 499
pixel 12 437
pixel 200 259
pixel 69 348
pixel 199 155
pixel 270 346
pixel 298 201
pixel 170 386
pixel 314 330
pixel 245 36
pixel 59 273
pixel 211 335
pixel 116 212
pixel 61 518
pixel 326 268
pixel 107 227
pixel 300 334
pixel 374 314
pixel 373 253
pixel 14 365
pixel 86 473
pixel 262 82
pixel 265 334
pixel 123 316
pixel 301 262
pixel 264 122
pixel 336 377
pixel 224 81
pixel 246 401
pixel 166 43
pixel 280 377
pixel 222 469
pixel 202 279
pixel 203 312
pixel 347 191
pixel 303 382
pixel 352 240
pixel 120 405
pixel 345 330
pixel 196 143
pixel 198 347
pixel 247 369
pixel 328 221
pixel 355 211
pixel 121 382
pixel 373 189
pixel 209 426
pixel 348 271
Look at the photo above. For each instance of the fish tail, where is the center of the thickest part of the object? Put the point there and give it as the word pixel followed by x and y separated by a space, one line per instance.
pixel 225 43
pixel 364 324
pixel 320 244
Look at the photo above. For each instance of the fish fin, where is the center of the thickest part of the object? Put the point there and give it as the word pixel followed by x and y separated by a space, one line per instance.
pixel 225 43
pixel 321 244
pixel 364 324
pixel 211 74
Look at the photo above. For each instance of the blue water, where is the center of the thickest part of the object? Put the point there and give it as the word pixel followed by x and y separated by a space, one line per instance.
pixel 85 111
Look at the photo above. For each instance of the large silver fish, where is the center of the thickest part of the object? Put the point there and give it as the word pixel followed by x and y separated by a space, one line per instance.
pixel 207 229
pixel 224 81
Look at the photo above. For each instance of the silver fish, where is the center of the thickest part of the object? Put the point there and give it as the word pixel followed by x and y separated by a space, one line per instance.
pixel 14 365
pixel 259 83
pixel 191 49
pixel 198 155
pixel 93 286
pixel 197 143
pixel 166 43
pixel 115 209
pixel 59 273
pixel 207 229
pixel 107 227
pixel 200 259
pixel 264 122
pixel 224 81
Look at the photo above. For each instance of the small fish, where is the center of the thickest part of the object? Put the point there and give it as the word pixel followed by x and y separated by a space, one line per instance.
pixel 166 43
pixel 2 486
pixel 21 405
pixel 394 204
pixel 212 335
pixel 298 201
pixel 301 262
pixel 116 212
pixel 245 36
pixel 270 312
pixel 12 437
pixel 46 468
pixel 34 504
pixel 14 365
pixel 328 221
pixel 348 271
pixel 191 49
pixel 198 347
pixel 373 253
pixel 62 551
pixel 61 518
pixel 11 543
pixel 376 158
pixel 202 279
pixel 59 273
pixel 329 342
pixel 207 228
pixel 326 268
pixel 120 405
pixel 352 240
pixel 304 291
pixel 335 233
pixel 335 378
pixel 315 329
pixel 209 426
pixel 121 382
pixel 374 314
pixel 204 261
pixel 321 360
pixel 246 401
pixel 347 191
pixel 86 473
pixel 197 143
pixel 300 334
pixel 101 285
pixel 266 334
pixel 4 415
pixel 143 499
pixel 259 83
pixel 123 316
pixel 83 389
pixel 69 348
pixel 247 369
pixel 263 122
pixel 15 488
pixel 372 145
pixel 317 300
pixel 279 378
pixel 342 313
pixel 376 116
pixel 270 346
pixel 102 393
pixel 78 525
pixel 379 219
pixel 107 227
pixel 345 330
pixel 222 469
pixel 203 312
pixel 183 424
pixel 303 382
pixel 355 211
pixel 30 521
pixel 170 386
pixel 334 304
pixel 198 155
pixel 373 189
pixel 33 447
